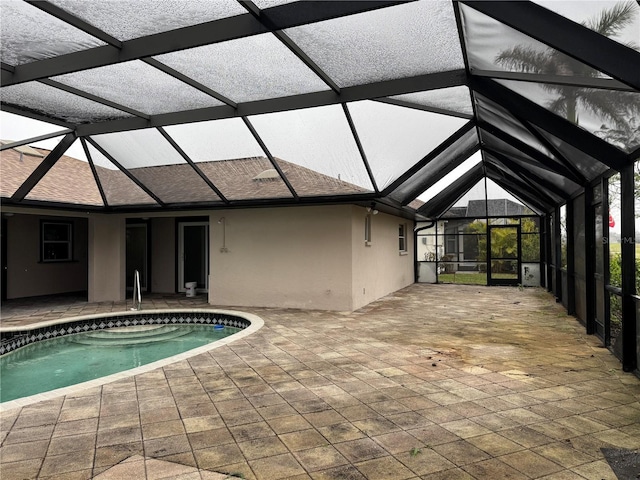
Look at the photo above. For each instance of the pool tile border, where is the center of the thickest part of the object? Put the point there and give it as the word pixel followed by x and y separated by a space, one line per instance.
pixel 248 323
pixel 11 340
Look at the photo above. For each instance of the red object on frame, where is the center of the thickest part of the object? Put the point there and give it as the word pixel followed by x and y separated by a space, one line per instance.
pixel 612 222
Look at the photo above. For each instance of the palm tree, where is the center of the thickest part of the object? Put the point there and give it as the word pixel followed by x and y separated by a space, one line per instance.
pixel 615 107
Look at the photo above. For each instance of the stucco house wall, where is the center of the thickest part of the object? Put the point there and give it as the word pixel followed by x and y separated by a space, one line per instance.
pixel 310 257
pixel 107 258
pixel 27 275
pixel 379 268
pixel 298 257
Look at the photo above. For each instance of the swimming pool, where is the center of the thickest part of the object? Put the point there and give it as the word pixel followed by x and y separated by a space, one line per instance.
pixel 88 351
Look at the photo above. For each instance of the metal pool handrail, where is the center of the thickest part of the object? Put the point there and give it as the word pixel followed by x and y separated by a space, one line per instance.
pixel 137 295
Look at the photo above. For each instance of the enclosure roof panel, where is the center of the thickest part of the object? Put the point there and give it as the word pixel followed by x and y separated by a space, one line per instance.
pixel 246 69
pixel 127 20
pixel 407 40
pixel 279 102
pixel 29 34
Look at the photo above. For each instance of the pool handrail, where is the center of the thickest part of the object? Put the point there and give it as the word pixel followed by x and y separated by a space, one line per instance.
pixel 137 295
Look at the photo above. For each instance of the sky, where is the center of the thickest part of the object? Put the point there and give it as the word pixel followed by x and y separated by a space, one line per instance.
pixel 15 127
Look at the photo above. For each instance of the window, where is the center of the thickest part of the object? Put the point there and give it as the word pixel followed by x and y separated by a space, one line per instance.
pixel 367 229
pixel 402 237
pixel 451 240
pixel 450 244
pixel 56 241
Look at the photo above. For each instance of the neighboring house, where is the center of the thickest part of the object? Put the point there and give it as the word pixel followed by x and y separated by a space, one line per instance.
pixel 451 226
pixel 458 251
pixel 463 250
pixel 313 256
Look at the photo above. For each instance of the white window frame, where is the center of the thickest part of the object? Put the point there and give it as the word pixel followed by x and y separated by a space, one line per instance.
pixel 44 242
pixel 402 238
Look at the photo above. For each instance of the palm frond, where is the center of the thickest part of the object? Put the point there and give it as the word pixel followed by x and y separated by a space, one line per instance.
pixel 625 138
pixel 614 107
pixel 558 106
pixel 524 59
pixel 611 21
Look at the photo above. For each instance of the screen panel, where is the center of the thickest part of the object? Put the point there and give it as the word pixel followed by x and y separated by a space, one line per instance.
pixel 139 86
pixel 17 164
pixel 50 101
pixel 70 180
pixel 246 69
pixel 608 114
pixel 395 138
pixel 592 15
pixel 128 20
pixel 228 154
pixel 456 99
pixel 450 158
pixel 451 177
pixel 118 188
pixel 148 156
pixel 24 39
pixel 215 140
pixel 318 141
pixel 492 45
pixel 583 162
pixel 406 40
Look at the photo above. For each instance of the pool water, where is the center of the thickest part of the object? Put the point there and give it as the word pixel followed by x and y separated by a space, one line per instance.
pixel 64 361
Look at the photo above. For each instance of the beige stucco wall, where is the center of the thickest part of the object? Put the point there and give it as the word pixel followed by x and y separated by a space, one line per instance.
pixel 298 257
pixel 163 255
pixel 310 257
pixel 107 258
pixel 27 276
pixel 379 268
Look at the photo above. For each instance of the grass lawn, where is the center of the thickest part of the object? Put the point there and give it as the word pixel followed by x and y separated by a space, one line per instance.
pixel 466 278
pixel 615 249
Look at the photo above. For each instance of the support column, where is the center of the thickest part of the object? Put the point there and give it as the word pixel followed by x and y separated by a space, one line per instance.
pixel 107 258
pixel 590 258
pixel 547 248
pixel 557 258
pixel 606 256
pixel 627 227
pixel 571 270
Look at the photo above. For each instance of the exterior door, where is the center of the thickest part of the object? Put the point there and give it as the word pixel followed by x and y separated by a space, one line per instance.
pixel 137 254
pixel 3 235
pixel 193 255
pixel 504 255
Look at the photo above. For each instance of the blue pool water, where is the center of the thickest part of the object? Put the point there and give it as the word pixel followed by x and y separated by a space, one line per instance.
pixel 61 362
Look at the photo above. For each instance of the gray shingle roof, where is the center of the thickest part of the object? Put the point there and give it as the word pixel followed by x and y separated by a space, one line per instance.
pixel 71 181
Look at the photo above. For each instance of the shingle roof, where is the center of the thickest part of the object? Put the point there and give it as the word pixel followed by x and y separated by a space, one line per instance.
pixel 498 207
pixel 71 181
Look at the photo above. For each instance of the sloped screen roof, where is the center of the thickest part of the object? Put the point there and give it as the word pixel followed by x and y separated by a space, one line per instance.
pixel 206 104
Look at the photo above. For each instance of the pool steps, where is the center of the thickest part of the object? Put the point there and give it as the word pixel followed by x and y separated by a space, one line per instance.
pixel 129 335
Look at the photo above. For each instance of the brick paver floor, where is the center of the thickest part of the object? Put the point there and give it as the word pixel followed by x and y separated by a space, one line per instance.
pixel 431 382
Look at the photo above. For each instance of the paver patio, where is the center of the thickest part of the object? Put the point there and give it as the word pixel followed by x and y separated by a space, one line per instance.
pixel 431 382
